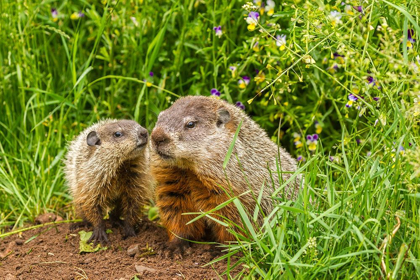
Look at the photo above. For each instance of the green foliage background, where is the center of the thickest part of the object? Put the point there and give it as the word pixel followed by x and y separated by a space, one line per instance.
pixel 60 75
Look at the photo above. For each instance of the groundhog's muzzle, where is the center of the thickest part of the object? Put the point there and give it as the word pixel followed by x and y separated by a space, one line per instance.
pixel 142 137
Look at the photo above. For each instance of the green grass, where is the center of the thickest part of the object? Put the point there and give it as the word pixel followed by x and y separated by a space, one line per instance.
pixel 58 77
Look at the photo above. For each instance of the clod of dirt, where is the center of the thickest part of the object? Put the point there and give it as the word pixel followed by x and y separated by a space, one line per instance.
pixel 142 269
pixel 133 250
pixel 10 277
pixel 47 218
pixel 7 251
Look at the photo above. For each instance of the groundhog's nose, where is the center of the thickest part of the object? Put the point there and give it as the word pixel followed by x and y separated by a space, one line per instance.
pixel 159 137
pixel 143 135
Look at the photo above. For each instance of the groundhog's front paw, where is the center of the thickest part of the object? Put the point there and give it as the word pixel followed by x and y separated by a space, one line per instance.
pixel 176 248
pixel 128 231
pixel 98 236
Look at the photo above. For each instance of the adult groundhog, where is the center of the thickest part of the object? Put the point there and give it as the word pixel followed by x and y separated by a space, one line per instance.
pixel 190 141
pixel 107 166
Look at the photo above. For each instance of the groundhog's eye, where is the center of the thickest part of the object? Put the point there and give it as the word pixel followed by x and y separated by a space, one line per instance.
pixel 190 124
pixel 118 134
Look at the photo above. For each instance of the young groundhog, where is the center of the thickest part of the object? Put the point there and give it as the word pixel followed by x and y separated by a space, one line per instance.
pixel 190 142
pixel 107 167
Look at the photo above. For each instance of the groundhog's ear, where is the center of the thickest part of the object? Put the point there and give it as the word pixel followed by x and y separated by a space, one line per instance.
pixel 223 116
pixel 93 139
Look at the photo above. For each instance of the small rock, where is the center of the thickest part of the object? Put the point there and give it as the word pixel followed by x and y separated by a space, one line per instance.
pixel 133 249
pixel 47 218
pixel 19 241
pixel 143 269
pixel 10 277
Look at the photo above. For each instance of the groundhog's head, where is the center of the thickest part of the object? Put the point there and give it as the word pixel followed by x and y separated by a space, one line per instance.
pixel 194 128
pixel 123 139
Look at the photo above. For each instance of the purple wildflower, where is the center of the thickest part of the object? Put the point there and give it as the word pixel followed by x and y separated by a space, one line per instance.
pixel 252 20
pixel 151 74
pixel 331 158
pixel 312 138
pixel 358 8
pixel 218 31
pixel 254 16
pixel 243 82
pixel 214 92
pixel 410 39
pixel 376 98
pixel 337 55
pixel 311 141
pixel 358 141
pixel 54 14
pixel 300 158
pixel 240 105
pixel 353 97
pixel 81 14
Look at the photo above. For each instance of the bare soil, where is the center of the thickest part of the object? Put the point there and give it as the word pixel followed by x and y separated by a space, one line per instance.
pixel 54 254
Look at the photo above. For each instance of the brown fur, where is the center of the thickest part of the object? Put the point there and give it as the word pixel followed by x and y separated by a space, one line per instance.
pixel 113 173
pixel 187 166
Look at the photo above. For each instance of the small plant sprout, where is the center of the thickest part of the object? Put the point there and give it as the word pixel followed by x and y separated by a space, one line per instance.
pixel 243 82
pixel 281 42
pixel 218 31
pixel 252 20
pixel 312 141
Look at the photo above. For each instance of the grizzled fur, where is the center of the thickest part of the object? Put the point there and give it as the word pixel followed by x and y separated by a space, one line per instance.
pixel 107 167
pixel 190 142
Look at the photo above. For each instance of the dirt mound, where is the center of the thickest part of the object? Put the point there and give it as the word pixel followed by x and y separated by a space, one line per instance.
pixel 54 254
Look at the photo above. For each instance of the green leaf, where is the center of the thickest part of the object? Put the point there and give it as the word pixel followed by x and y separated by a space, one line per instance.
pixel 153 213
pixel 229 153
pixel 85 247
